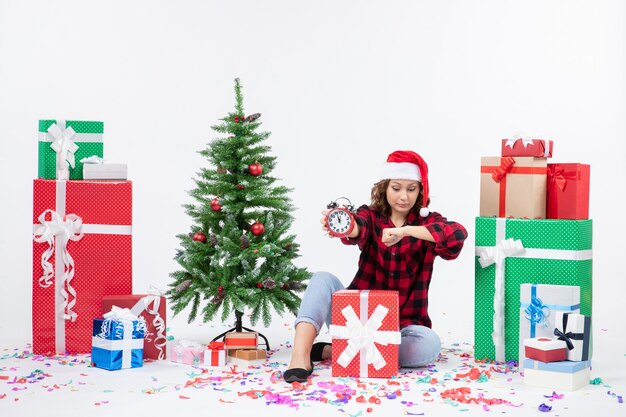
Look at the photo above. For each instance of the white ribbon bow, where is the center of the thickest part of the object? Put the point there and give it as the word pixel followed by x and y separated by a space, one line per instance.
pixel 64 147
pixel 64 230
pixel 525 141
pixel 93 159
pixel 120 314
pixel 498 255
pixel 124 333
pixel 144 304
pixel 362 337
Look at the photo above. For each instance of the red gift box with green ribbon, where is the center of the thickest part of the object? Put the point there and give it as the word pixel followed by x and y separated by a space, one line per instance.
pixel 568 191
pixel 82 252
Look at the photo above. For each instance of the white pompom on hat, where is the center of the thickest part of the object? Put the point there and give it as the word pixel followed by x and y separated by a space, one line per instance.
pixel 407 165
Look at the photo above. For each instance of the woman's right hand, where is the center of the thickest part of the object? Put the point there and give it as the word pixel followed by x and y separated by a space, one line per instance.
pixel 323 221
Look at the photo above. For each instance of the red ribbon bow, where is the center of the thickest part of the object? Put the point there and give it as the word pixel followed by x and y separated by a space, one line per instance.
pixel 216 345
pixel 556 176
pixel 505 166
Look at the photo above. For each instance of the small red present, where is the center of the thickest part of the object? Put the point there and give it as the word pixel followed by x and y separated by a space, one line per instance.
pixel 545 349
pixel 151 307
pixel 365 333
pixel 82 251
pixel 539 148
pixel 215 355
pixel 568 191
pixel 240 340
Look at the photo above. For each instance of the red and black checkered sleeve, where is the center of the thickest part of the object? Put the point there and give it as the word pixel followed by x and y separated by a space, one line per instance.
pixel 363 218
pixel 449 236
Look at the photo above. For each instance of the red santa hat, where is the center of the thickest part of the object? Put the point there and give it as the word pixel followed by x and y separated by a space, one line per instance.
pixel 407 165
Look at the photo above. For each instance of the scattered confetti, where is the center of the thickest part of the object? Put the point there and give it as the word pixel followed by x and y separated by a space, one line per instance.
pixel 620 400
pixel 555 396
pixel 544 408
pixel 455 380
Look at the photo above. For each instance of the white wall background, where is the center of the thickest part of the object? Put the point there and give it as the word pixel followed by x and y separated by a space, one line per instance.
pixel 447 79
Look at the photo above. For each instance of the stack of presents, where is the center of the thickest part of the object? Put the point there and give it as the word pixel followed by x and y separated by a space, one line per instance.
pixel 82 255
pixel 534 265
pixel 240 345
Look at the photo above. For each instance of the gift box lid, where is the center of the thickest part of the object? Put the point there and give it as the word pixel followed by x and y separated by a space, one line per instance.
pixel 568 367
pixel 105 171
pixel 79 126
pixel 540 148
pixel 545 343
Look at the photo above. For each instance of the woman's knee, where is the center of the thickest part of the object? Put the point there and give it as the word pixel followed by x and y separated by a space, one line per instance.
pixel 323 279
pixel 420 346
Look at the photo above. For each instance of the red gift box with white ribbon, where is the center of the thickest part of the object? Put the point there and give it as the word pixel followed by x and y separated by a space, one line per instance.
pixel 539 148
pixel 82 251
pixel 365 333
pixel 151 307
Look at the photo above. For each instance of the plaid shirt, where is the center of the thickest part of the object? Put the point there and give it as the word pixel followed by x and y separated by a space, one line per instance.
pixel 406 266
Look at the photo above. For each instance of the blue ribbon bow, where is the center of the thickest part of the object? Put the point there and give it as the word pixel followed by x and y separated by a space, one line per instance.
pixel 537 312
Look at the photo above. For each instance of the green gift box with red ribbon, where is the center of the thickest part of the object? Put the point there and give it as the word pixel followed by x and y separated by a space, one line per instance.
pixel 513 187
pixel 568 191
pixel 511 252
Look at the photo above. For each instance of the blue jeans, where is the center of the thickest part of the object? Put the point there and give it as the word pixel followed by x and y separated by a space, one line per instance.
pixel 419 345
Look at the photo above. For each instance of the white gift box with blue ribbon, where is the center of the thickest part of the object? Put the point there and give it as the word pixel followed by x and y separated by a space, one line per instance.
pixel 117 341
pixel 539 304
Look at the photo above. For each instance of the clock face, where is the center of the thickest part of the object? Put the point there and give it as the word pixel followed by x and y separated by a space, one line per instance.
pixel 339 222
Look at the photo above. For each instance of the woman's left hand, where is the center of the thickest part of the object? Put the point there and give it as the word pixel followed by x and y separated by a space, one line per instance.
pixel 392 235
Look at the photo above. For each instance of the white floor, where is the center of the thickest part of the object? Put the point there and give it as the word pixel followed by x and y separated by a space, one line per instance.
pixel 68 386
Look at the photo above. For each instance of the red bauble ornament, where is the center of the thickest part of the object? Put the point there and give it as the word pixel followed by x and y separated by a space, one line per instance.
pixel 285 286
pixel 255 169
pixel 236 119
pixel 257 228
pixel 199 237
pixel 259 285
pixel 215 205
pixel 220 288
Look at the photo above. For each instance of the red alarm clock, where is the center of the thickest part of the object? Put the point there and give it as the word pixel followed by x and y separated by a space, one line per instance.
pixel 339 220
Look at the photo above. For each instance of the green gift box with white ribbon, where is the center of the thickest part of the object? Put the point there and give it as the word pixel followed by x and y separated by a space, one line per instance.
pixel 63 143
pixel 511 252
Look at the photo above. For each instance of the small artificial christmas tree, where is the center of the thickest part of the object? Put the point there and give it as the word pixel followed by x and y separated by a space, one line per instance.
pixel 238 255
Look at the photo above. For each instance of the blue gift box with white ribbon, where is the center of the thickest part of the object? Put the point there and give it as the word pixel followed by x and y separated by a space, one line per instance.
pixel 117 342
